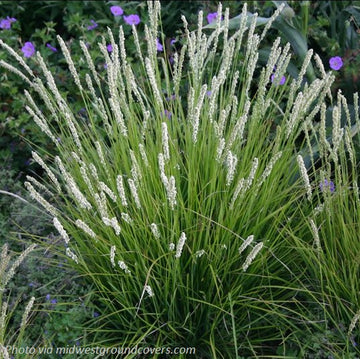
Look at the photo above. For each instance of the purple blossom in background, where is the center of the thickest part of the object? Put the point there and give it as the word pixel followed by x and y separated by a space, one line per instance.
pixel 168 114
pixel 53 301
pixel 132 19
pixel 327 184
pixel 159 47
pixel 96 314
pixel 172 97
pixel 52 48
pixel 12 146
pixel 28 49
pixel 93 26
pixel 109 48
pixel 172 41
pixel 282 80
pixel 336 63
pixel 116 10
pixel 353 342
pixel 6 23
pixel 212 17
pixel 208 93
pixel 47 297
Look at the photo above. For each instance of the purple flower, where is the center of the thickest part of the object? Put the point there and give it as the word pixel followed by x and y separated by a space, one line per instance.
pixel 172 41
pixel 109 48
pixel 132 19
pixel 212 17
pixel 96 314
pixel 52 48
pixel 6 23
pixel 336 63
pixel 167 113
pixel 281 82
pixel 172 97
pixel 53 301
pixel 327 184
pixel 47 297
pixel 353 342
pixel 208 93
pixel 93 26
pixel 159 47
pixel 28 49
pixel 116 10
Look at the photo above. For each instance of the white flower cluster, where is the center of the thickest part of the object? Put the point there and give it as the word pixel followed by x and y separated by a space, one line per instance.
pixel 269 168
pixel 124 267
pixel 169 183
pixel 134 193
pixel 68 59
pixel 252 256
pixel 200 253
pixel 112 255
pixel 112 223
pixel 103 187
pixel 152 81
pixel 315 232
pixel 354 320
pixel 165 141
pixel 244 184
pixel 143 154
pixel 246 243
pixel 155 230
pixel 5 259
pixel 180 245
pixel 126 218
pixel 231 162
pixel 27 310
pixel 121 190
pixel 72 255
pixel 100 200
pixel 61 230
pixel 37 197
pixel 42 124
pixel 70 182
pixel 149 291
pixel 82 225
pixel 304 176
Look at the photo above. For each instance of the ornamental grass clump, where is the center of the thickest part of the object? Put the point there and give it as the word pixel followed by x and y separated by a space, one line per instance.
pixel 9 337
pixel 185 224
